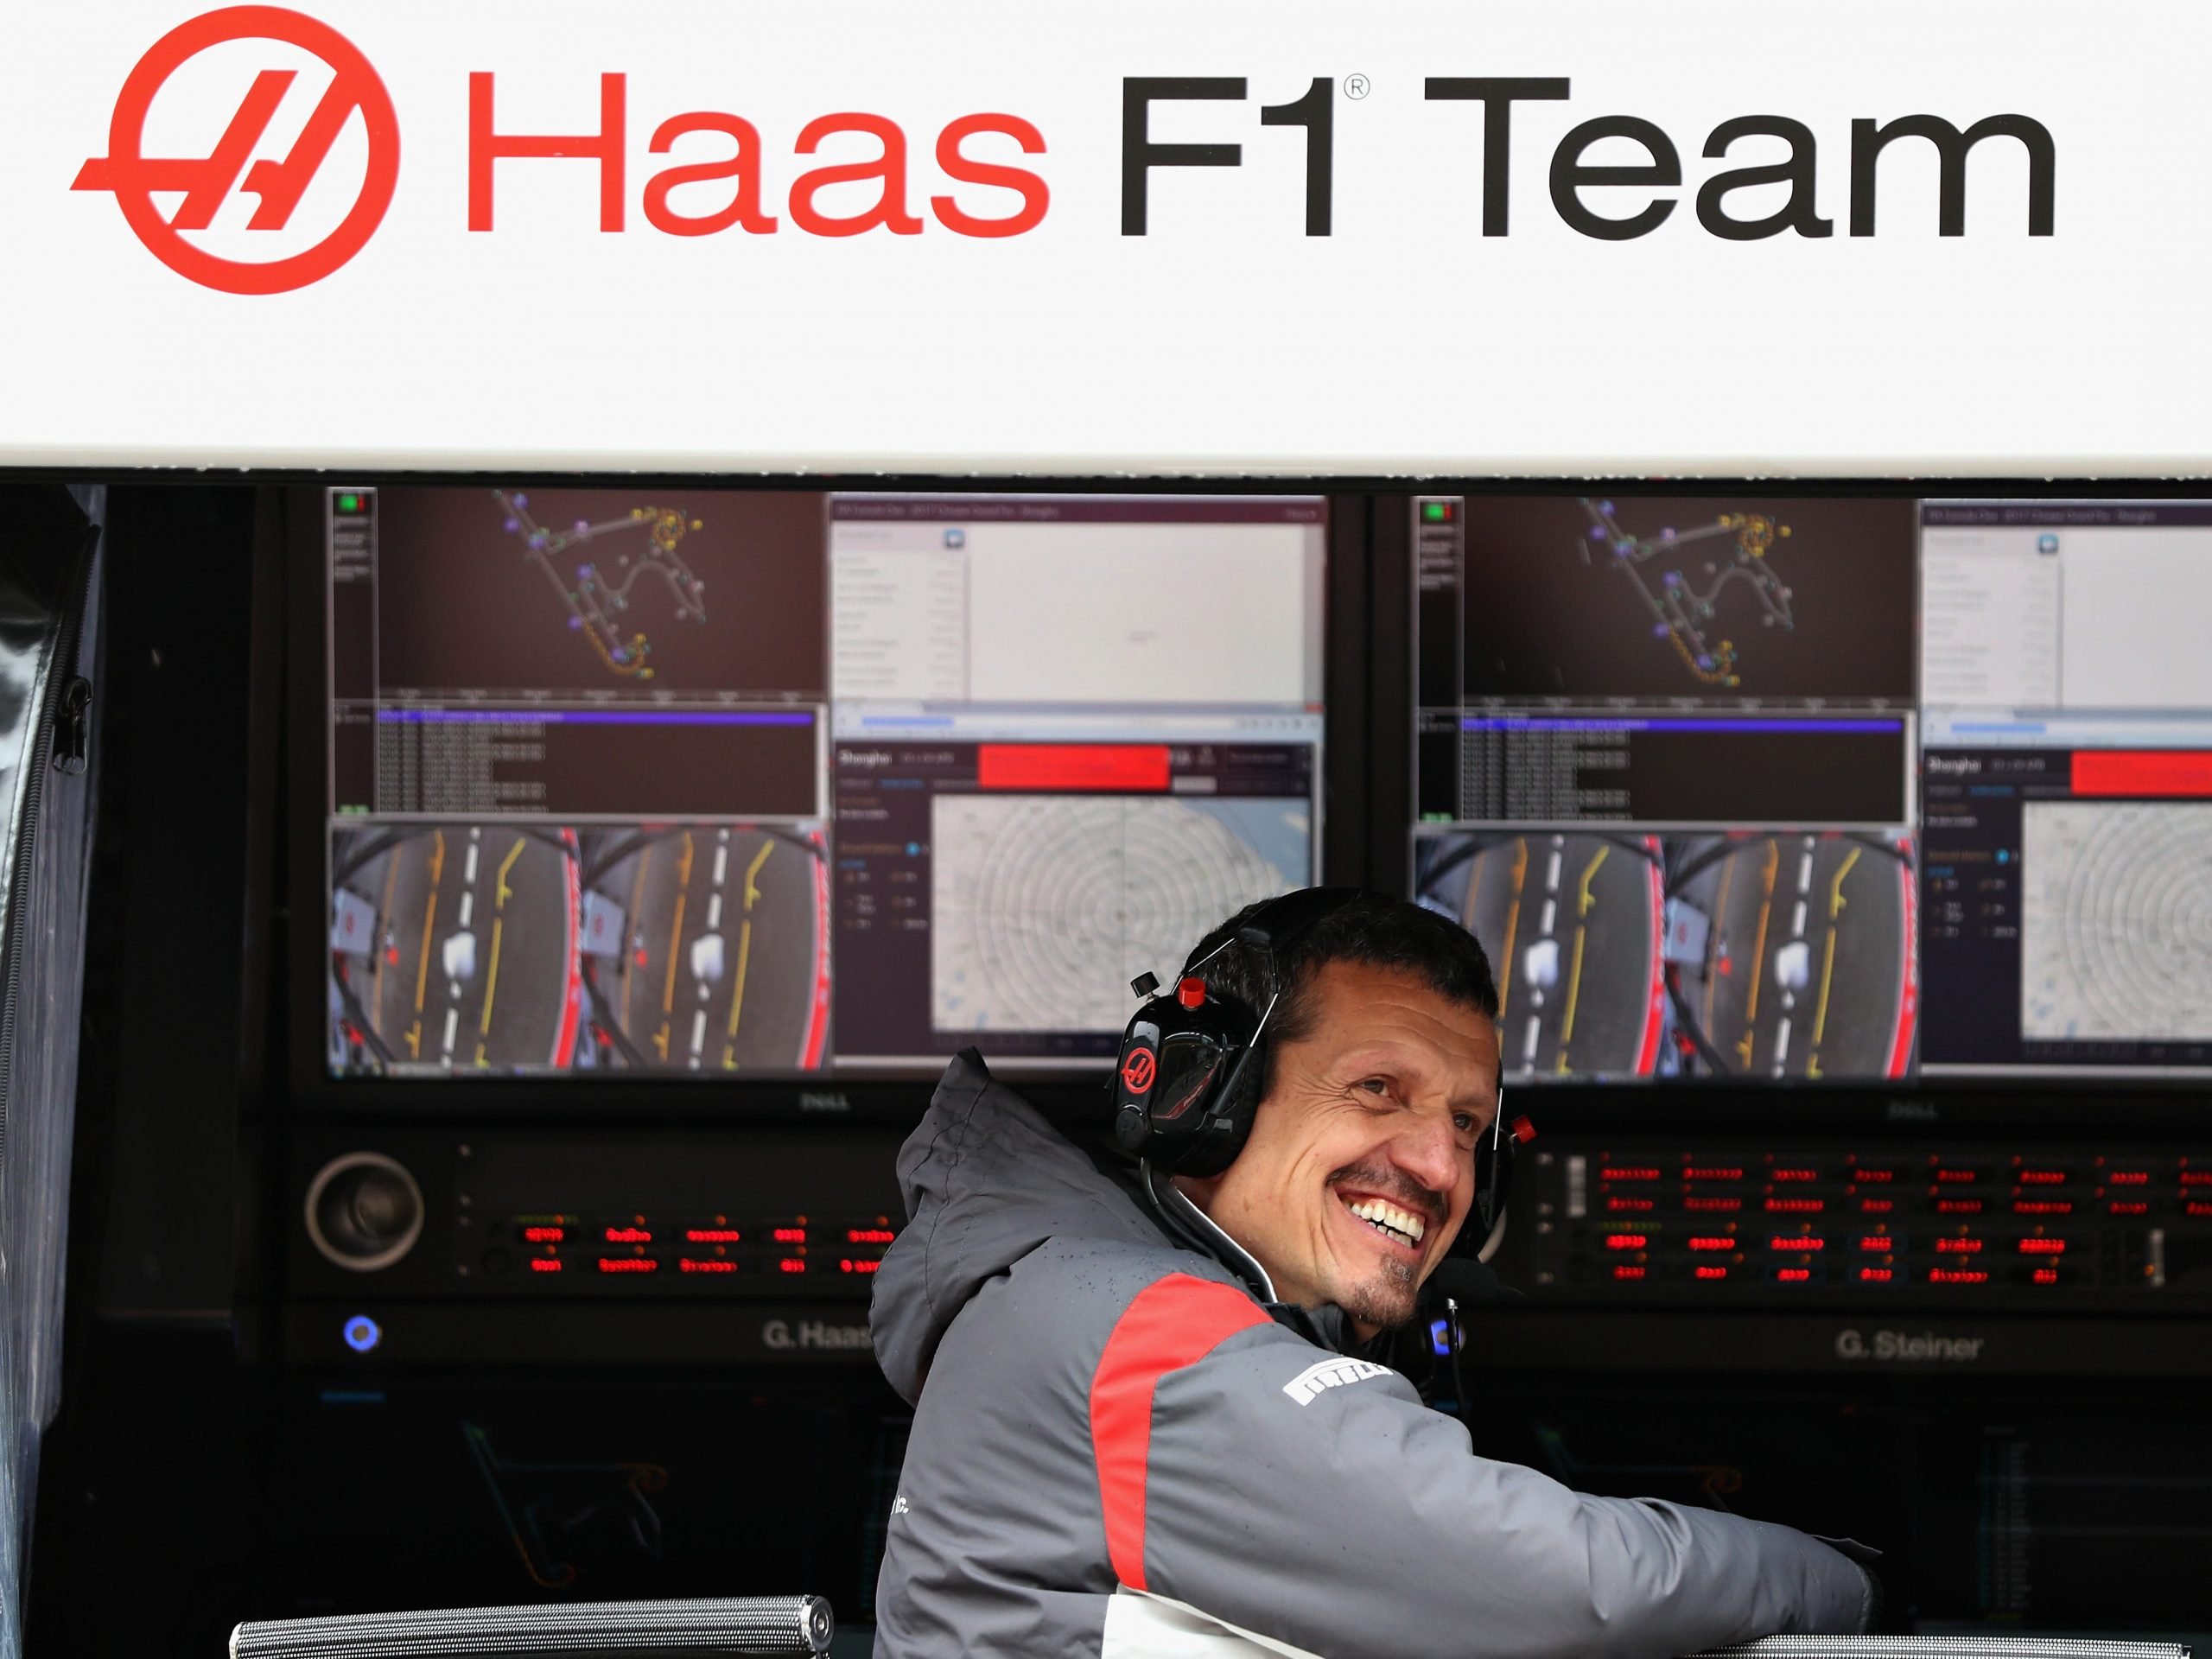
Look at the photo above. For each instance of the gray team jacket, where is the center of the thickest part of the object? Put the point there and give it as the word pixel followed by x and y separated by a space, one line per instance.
pixel 1118 1450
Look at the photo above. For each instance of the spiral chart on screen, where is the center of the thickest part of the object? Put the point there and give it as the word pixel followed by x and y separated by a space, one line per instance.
pixel 2116 921
pixel 1045 907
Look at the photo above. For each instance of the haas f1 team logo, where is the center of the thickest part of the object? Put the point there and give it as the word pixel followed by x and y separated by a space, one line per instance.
pixel 206 183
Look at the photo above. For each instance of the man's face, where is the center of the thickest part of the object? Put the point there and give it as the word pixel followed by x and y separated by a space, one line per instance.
pixel 1376 1109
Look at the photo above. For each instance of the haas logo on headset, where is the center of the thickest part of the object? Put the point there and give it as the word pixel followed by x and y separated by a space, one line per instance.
pixel 1138 1070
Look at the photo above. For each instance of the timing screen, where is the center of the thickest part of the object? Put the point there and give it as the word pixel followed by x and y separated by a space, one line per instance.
pixel 592 653
pixel 680 781
pixel 2068 784
pixel 1663 660
pixel 1664 769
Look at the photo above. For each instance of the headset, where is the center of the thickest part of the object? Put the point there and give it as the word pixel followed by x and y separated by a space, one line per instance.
pixel 1186 1083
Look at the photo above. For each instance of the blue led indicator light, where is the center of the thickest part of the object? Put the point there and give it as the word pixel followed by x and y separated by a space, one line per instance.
pixel 362 1333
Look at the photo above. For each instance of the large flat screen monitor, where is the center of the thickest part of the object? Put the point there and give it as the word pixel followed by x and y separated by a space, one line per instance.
pixel 681 781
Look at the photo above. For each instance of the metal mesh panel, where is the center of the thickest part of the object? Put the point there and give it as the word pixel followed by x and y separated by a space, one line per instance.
pixel 766 1626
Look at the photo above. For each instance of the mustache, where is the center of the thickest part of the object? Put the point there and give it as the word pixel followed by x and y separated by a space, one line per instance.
pixel 1388 1181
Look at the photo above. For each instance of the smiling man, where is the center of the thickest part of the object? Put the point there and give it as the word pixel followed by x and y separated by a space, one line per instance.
pixel 1358 1172
pixel 1145 1420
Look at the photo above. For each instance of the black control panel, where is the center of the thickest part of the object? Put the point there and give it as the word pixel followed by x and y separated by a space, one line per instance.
pixel 1870 1224
pixel 1765 1253
pixel 431 1246
pixel 422 1246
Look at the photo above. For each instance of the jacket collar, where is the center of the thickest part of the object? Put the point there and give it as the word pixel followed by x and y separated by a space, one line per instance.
pixel 1188 1225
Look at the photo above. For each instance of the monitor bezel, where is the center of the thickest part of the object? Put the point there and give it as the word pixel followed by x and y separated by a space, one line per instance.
pixel 831 1096
pixel 2054 1105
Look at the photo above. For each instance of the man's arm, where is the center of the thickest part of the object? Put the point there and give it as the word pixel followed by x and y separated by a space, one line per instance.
pixel 1315 1501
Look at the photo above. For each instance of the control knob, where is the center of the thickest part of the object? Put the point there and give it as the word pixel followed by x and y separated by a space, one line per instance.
pixel 363 1212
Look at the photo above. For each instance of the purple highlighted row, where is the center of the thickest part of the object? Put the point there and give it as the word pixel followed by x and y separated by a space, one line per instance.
pixel 1669 723
pixel 594 716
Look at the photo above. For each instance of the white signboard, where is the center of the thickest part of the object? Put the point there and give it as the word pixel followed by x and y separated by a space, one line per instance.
pixel 1250 235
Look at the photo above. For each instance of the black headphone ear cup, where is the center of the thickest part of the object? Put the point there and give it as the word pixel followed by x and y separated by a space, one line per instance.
pixel 1211 1128
pixel 1228 1108
pixel 1177 1062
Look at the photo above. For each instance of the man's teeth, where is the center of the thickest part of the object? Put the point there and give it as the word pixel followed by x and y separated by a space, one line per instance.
pixel 1389 1218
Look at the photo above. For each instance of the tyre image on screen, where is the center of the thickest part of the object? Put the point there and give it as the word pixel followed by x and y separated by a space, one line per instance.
pixel 454 947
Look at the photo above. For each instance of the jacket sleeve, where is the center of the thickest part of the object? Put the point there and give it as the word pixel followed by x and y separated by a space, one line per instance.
pixel 1315 1501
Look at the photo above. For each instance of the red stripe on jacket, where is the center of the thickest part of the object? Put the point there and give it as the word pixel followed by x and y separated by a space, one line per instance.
pixel 1172 1323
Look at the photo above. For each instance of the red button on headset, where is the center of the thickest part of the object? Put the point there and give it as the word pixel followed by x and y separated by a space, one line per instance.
pixel 1191 993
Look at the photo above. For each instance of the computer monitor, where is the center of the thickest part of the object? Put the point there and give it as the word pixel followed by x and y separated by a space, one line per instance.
pixel 677 781
pixel 2067 787
pixel 577 813
pixel 1072 734
pixel 1664 769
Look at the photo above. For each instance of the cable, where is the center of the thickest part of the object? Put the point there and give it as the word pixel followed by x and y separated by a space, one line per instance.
pixel 1456 1335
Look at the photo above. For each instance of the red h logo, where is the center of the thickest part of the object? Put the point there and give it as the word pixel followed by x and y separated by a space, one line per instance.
pixel 208 181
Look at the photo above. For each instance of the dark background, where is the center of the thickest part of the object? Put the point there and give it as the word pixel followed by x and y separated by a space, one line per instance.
pixel 1673 777
pixel 218 1457
pixel 1544 621
pixel 630 771
pixel 497 626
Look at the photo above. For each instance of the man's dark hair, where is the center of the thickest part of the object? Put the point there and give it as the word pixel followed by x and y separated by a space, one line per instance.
pixel 1371 930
